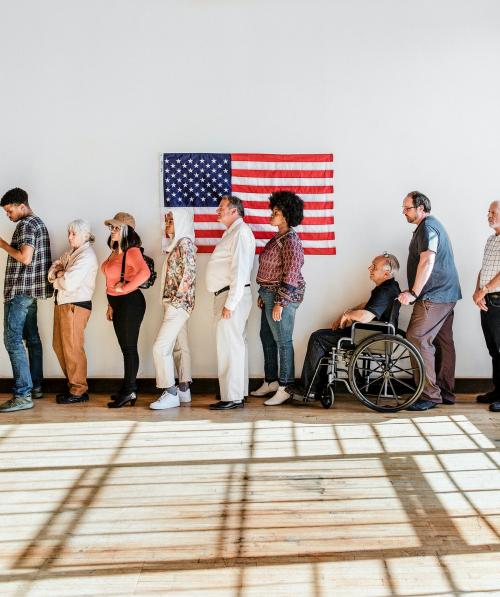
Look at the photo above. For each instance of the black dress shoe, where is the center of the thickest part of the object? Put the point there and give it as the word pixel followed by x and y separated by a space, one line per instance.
pixel 71 398
pixel 422 405
pixel 495 407
pixel 488 398
pixel 123 400
pixel 225 405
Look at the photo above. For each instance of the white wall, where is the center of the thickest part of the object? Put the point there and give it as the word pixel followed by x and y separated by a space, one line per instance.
pixel 404 93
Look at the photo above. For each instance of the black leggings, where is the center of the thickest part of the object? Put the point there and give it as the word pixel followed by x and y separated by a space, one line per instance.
pixel 128 313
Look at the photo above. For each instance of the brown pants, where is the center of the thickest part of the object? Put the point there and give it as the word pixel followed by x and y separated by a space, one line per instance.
pixel 431 331
pixel 70 322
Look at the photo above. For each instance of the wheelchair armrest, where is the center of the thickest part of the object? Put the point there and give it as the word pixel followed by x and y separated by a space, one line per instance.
pixel 360 331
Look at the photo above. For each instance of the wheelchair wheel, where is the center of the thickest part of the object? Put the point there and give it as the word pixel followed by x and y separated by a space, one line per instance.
pixel 326 396
pixel 382 373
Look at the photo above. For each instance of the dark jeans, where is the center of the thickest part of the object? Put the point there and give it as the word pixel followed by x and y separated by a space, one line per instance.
pixel 128 313
pixel 277 343
pixel 490 322
pixel 320 344
pixel 20 323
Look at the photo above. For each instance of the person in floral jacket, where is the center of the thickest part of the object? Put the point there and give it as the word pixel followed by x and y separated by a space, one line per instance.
pixel 178 293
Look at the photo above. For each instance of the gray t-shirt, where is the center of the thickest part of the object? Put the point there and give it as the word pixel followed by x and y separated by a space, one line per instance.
pixel 443 286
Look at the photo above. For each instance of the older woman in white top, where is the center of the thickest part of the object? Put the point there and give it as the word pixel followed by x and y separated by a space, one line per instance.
pixel 73 276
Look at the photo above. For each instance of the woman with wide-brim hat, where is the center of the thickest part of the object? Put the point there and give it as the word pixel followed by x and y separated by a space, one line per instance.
pixel 126 304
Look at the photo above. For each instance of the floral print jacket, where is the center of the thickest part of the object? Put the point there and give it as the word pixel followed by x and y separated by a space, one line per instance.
pixel 179 275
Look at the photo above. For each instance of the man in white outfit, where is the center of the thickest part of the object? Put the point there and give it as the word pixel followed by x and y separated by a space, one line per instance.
pixel 228 277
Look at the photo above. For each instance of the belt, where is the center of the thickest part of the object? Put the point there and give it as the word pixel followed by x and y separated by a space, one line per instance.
pixel 225 289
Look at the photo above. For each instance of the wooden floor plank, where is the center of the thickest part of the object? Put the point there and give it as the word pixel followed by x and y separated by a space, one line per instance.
pixel 292 500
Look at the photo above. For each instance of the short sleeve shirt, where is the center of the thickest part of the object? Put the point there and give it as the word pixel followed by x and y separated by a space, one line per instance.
pixel 29 280
pixel 443 285
pixel 381 302
pixel 491 262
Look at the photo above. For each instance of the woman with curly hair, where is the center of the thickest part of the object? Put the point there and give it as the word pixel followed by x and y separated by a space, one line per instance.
pixel 280 294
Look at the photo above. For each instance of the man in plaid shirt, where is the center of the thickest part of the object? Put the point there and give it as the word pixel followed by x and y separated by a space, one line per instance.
pixel 487 298
pixel 26 280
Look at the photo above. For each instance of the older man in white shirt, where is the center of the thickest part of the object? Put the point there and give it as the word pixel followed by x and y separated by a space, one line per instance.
pixel 228 277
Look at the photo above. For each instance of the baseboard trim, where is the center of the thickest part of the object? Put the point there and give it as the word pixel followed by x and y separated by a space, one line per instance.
pixel 207 385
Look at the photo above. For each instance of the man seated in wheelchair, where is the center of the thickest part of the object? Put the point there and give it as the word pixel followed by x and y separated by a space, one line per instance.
pixel 381 306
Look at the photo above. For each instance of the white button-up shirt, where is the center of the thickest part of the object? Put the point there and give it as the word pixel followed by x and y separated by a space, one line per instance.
pixel 231 262
pixel 491 262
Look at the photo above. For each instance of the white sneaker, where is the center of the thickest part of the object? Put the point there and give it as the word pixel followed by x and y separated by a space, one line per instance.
pixel 281 396
pixel 184 397
pixel 166 400
pixel 265 389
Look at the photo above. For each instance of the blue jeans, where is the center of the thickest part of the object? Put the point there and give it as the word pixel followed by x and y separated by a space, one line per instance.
pixel 20 323
pixel 276 337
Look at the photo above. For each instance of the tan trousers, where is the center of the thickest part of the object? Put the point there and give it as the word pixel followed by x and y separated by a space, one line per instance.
pixel 431 331
pixel 68 343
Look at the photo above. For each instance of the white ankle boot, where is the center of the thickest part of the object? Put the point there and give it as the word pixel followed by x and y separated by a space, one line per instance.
pixel 265 389
pixel 281 396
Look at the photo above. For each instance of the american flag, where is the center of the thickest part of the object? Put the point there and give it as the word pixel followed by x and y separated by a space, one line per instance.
pixel 198 180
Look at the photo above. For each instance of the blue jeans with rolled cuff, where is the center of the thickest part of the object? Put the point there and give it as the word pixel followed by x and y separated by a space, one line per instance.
pixel 276 338
pixel 20 326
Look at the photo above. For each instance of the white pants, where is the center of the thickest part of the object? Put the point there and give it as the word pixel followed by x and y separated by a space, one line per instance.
pixel 171 346
pixel 232 349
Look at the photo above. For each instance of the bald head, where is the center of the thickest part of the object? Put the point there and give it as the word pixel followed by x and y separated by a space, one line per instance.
pixel 494 216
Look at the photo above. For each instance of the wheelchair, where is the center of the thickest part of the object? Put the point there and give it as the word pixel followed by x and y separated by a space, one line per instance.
pixel 376 364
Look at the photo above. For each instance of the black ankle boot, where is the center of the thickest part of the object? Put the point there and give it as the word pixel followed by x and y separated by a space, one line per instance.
pixel 123 400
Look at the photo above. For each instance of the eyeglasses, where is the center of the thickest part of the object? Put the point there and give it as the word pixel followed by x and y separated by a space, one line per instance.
pixel 114 228
pixel 405 209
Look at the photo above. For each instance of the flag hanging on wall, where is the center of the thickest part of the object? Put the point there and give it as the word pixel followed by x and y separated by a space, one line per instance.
pixel 198 180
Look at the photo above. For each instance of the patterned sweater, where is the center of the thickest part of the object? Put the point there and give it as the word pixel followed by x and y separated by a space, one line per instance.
pixel 279 268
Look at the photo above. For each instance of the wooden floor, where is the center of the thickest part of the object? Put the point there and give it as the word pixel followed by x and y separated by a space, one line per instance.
pixel 285 500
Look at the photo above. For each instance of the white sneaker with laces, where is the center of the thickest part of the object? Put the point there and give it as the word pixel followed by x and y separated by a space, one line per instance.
pixel 184 397
pixel 166 400
pixel 265 389
pixel 281 396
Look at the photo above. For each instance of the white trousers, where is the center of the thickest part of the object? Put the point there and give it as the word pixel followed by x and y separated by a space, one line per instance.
pixel 232 348
pixel 171 346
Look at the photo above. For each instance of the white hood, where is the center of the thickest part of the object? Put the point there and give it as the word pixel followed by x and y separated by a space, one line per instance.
pixel 183 226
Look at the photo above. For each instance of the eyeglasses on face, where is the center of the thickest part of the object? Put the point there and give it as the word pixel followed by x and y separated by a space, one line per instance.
pixel 114 228
pixel 405 209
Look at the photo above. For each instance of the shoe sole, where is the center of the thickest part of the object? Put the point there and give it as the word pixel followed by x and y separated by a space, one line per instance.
pixel 163 407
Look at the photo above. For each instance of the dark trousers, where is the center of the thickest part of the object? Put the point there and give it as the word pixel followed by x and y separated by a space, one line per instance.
pixel 128 313
pixel 320 344
pixel 431 332
pixel 490 322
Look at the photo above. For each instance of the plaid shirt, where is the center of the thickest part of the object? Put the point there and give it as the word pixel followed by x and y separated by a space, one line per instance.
pixel 491 262
pixel 29 280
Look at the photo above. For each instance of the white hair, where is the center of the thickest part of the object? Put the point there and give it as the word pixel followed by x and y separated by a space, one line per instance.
pixel 82 229
pixel 391 263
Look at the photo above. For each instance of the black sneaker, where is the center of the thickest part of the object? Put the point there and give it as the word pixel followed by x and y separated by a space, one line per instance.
pixel 422 405
pixel 488 398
